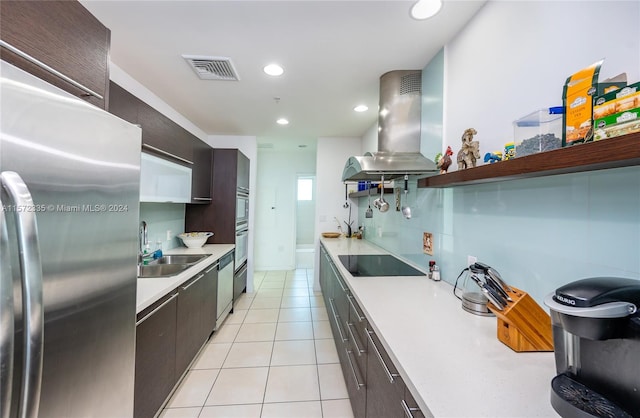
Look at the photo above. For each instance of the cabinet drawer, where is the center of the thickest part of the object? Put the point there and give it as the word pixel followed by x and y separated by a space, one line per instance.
pixel 410 406
pixel 385 387
pixel 155 374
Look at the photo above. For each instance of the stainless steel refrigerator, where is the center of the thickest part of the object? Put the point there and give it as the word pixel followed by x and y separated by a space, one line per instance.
pixel 70 186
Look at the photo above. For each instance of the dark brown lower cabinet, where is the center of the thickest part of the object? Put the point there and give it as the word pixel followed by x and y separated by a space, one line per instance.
pixel 189 322
pixel 412 410
pixel 239 282
pixel 155 374
pixel 375 387
pixel 385 388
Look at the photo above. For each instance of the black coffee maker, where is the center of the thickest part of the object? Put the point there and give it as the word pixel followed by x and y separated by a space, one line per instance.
pixel 596 333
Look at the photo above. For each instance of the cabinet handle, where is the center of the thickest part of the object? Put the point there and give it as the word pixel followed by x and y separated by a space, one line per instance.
pixel 407 410
pixel 157 309
pixel 353 370
pixel 168 154
pixel 204 199
pixel 345 290
pixel 360 317
pixel 49 69
pixel 337 321
pixel 215 266
pixel 192 283
pixel 390 375
pixel 353 338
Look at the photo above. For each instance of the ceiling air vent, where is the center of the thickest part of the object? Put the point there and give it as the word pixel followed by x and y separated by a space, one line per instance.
pixel 212 68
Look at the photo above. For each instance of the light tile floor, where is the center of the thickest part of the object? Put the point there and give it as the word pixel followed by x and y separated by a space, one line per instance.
pixel 274 357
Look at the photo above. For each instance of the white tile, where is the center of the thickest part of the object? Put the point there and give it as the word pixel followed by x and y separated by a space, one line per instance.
pixel 295 302
pixel 322 329
pixel 212 356
pixel 337 408
pixel 256 332
pixel 272 293
pixel 332 384
pixel 226 334
pixel 181 413
pixel 272 284
pixel 289 353
pixel 310 409
pixel 292 383
pixel 253 354
pixel 326 351
pixel 232 411
pixel 237 317
pixel 266 303
pixel 258 316
pixel 294 331
pixel 239 386
pixel 243 303
pixel 319 314
pixel 295 315
pixel 194 389
pixel 296 291
pixel 316 301
pixel 296 284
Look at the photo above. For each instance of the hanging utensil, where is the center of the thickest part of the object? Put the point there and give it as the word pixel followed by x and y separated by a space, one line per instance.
pixel 346 201
pixel 380 203
pixel 406 210
pixel 369 211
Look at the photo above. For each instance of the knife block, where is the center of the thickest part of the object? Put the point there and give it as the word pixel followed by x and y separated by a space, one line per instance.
pixel 523 325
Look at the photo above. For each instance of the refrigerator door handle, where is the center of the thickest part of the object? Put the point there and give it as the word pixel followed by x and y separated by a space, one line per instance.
pixel 6 321
pixel 32 308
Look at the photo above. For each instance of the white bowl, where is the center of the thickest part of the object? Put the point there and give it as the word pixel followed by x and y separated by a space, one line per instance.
pixel 194 239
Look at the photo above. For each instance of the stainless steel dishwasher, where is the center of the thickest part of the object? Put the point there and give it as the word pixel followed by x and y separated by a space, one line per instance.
pixel 225 288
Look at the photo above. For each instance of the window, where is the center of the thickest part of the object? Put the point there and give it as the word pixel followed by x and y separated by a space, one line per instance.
pixel 305 188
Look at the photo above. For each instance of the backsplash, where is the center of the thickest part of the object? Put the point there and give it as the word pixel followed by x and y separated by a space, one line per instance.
pixel 538 233
pixel 160 218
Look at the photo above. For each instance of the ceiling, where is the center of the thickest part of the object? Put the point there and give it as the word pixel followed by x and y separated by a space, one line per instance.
pixel 333 54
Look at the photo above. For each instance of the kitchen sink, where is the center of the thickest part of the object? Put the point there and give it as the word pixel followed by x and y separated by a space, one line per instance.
pixel 161 270
pixel 179 259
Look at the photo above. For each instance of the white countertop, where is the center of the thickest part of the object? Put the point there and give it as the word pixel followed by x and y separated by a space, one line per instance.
pixel 450 359
pixel 152 289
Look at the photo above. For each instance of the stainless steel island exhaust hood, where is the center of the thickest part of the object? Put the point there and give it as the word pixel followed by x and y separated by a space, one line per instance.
pixel 398 133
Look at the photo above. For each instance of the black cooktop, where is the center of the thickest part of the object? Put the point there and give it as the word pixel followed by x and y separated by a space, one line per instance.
pixel 377 265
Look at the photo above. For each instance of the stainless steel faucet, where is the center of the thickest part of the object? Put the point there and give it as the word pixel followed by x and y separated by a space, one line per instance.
pixel 143 238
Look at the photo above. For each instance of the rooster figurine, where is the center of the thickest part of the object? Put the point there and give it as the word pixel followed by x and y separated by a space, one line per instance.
pixel 444 162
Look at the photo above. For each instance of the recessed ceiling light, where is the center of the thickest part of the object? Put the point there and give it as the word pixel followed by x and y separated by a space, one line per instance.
pixel 361 108
pixel 424 9
pixel 282 121
pixel 274 70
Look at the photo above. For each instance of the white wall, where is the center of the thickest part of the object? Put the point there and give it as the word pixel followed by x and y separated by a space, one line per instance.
pixel 332 154
pixel 515 56
pixel 370 139
pixel 247 145
pixel 275 233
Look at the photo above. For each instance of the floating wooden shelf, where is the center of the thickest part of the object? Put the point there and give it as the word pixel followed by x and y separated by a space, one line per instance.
pixel 374 192
pixel 617 152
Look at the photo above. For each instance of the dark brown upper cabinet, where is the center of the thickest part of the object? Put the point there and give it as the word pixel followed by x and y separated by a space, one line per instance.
pixel 64 36
pixel 202 172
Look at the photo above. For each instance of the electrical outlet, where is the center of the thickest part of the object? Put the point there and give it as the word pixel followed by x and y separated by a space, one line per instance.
pixel 471 259
pixel 169 235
